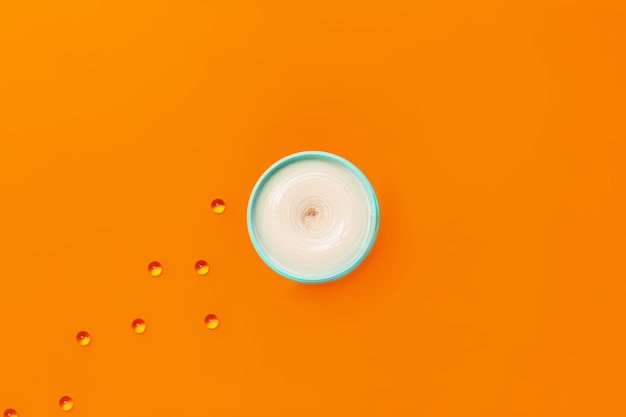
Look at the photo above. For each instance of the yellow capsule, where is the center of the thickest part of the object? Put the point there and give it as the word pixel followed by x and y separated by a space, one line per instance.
pixel 202 267
pixel 218 206
pixel 211 321
pixel 83 338
pixel 66 403
pixel 155 268
pixel 139 326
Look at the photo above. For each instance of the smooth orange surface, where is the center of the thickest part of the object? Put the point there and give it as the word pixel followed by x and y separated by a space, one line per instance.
pixel 493 133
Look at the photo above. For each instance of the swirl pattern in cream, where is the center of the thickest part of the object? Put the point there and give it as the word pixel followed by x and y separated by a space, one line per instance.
pixel 312 218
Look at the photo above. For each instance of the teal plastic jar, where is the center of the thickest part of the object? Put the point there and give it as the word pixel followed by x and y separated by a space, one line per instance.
pixel 313 216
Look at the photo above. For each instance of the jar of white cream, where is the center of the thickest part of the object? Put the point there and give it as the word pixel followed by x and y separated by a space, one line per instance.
pixel 312 216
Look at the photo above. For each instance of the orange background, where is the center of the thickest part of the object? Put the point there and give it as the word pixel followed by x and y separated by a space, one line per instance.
pixel 493 133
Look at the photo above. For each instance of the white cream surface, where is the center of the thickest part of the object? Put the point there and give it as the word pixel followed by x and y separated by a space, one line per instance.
pixel 313 217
